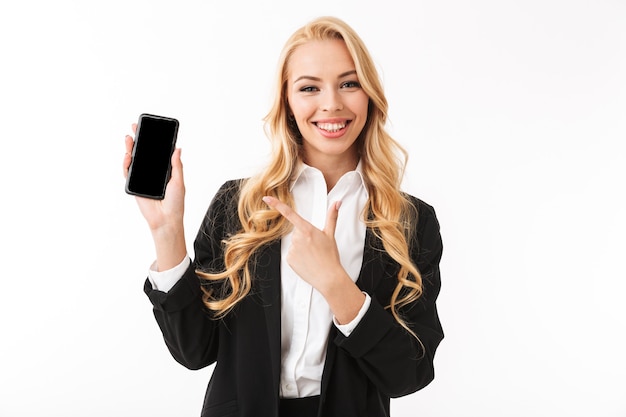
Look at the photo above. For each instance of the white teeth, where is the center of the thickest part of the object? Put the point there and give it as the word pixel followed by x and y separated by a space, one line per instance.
pixel 331 127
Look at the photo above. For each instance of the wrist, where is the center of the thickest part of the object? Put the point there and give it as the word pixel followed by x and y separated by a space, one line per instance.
pixel 167 230
pixel 170 246
pixel 344 298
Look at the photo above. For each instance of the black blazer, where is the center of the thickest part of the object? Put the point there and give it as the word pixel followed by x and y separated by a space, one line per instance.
pixel 377 361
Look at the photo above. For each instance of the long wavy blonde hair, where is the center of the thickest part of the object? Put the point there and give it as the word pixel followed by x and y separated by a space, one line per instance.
pixel 387 213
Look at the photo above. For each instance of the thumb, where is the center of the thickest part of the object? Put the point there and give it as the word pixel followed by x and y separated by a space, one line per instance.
pixel 331 218
pixel 177 165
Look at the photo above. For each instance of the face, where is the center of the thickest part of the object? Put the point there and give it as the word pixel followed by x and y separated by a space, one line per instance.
pixel 327 102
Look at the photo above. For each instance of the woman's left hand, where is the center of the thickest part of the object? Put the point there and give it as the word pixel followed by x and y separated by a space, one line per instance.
pixel 313 254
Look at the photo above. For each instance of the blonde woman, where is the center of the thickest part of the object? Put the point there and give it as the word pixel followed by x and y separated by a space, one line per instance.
pixel 314 282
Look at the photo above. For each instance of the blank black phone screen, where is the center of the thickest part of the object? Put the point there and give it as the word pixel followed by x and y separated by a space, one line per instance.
pixel 151 162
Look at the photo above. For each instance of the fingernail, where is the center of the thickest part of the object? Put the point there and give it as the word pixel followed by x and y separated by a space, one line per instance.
pixel 266 199
pixel 337 205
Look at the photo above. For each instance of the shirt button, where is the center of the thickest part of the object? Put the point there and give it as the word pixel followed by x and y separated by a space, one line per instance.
pixel 289 387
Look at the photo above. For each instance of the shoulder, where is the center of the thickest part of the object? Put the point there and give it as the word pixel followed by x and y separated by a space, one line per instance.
pixel 222 209
pixel 228 193
pixel 423 211
pixel 420 204
pixel 229 189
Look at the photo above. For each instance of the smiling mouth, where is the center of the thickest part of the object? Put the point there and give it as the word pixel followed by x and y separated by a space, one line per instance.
pixel 332 127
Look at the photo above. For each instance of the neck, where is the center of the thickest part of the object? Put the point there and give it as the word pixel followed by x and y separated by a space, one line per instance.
pixel 334 168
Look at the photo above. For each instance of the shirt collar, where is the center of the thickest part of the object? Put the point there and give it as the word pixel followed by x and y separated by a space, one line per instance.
pixel 302 169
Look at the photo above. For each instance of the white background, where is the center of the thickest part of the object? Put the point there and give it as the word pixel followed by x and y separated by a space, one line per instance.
pixel 514 116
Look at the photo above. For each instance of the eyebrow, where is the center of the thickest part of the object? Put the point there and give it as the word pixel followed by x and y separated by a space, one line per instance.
pixel 310 77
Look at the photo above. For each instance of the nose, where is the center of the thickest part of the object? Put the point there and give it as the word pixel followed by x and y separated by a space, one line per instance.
pixel 331 101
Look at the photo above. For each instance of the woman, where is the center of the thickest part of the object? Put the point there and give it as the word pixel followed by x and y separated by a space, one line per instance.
pixel 314 282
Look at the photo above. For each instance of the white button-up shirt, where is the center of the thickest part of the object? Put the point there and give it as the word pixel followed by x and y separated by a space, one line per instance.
pixel 305 315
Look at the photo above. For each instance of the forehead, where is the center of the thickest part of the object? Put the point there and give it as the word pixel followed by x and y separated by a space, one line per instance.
pixel 320 58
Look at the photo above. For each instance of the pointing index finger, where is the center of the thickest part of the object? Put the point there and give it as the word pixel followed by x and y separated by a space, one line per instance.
pixel 287 212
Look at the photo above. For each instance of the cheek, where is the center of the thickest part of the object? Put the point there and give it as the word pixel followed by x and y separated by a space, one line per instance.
pixel 296 106
pixel 303 112
pixel 360 104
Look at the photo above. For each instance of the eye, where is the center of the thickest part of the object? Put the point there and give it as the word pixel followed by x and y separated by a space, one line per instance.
pixel 308 89
pixel 351 84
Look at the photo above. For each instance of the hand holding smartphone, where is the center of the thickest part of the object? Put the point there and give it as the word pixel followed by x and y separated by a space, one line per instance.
pixel 150 167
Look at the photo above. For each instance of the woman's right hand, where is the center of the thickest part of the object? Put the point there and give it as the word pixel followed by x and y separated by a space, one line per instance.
pixel 164 217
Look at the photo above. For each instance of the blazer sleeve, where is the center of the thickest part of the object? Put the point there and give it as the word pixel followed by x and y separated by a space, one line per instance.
pixel 189 330
pixel 393 359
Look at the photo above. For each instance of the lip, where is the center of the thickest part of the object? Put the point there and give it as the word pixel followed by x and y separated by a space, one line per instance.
pixel 335 120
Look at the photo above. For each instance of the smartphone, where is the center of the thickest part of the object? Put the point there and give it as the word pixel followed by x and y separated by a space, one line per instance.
pixel 150 167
